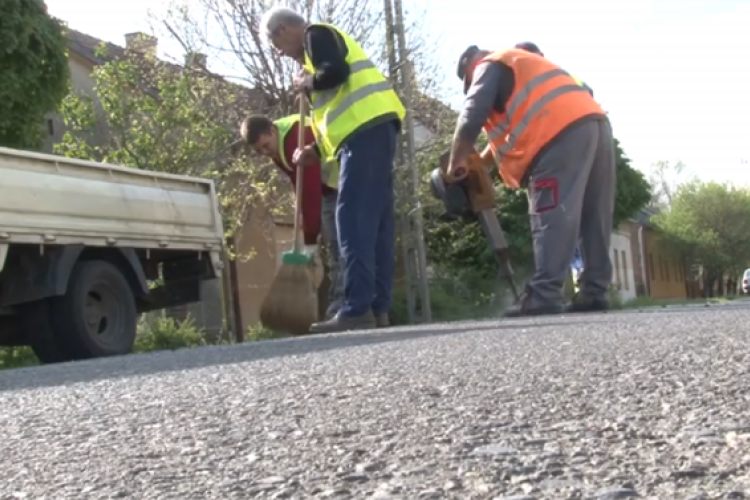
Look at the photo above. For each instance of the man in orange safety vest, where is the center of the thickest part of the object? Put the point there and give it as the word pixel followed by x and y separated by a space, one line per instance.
pixel 547 134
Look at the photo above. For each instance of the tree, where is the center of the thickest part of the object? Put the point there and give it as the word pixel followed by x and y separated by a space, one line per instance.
pixel 665 178
pixel 34 76
pixel 156 116
pixel 229 30
pixel 633 190
pixel 708 224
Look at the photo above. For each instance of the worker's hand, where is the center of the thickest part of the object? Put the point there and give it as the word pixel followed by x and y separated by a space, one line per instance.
pixel 305 156
pixel 458 170
pixel 303 81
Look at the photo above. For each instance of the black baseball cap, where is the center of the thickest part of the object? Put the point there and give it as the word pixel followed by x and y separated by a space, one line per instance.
pixel 463 61
pixel 529 47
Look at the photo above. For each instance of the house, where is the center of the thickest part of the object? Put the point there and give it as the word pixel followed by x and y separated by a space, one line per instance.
pixel 657 273
pixel 623 269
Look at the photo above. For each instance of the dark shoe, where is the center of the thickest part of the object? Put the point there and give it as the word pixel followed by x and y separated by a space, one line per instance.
pixel 525 306
pixel 382 320
pixel 341 323
pixel 581 304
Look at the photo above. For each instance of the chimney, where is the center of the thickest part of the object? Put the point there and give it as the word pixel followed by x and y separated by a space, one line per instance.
pixel 142 43
pixel 196 60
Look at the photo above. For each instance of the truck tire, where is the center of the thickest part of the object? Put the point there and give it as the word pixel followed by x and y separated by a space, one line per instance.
pixel 42 337
pixel 97 316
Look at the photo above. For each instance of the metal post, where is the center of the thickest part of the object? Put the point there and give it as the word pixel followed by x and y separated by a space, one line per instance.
pixel 402 194
pixel 407 81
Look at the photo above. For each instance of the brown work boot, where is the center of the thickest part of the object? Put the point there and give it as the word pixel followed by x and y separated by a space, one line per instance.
pixel 526 306
pixel 341 323
pixel 382 320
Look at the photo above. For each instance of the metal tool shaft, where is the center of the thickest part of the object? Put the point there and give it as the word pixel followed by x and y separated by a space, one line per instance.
pixel 496 237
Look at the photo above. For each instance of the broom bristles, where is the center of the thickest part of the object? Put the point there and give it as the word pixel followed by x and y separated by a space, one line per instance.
pixel 291 305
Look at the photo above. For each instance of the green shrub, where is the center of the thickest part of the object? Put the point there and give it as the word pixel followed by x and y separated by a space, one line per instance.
pixel 17 357
pixel 259 332
pixel 455 297
pixel 159 333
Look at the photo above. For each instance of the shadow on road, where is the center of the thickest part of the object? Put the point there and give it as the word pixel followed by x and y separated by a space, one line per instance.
pixel 188 359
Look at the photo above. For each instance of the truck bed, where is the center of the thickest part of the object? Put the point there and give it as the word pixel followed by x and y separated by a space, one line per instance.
pixel 58 201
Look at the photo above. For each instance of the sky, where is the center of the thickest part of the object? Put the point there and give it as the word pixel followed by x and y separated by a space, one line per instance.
pixel 674 76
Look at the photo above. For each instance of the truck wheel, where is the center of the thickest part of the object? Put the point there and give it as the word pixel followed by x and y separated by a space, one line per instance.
pixel 42 337
pixel 97 316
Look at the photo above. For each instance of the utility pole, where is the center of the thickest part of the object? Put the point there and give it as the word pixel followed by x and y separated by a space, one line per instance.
pixel 401 193
pixel 412 227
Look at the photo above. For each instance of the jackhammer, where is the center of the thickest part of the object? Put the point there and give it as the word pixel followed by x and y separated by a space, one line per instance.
pixel 473 200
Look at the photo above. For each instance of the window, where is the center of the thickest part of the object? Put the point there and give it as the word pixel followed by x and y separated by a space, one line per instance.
pixel 625 281
pixel 50 127
pixel 617 268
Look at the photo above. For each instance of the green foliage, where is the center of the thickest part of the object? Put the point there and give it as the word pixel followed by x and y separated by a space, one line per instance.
pixel 160 333
pixel 633 190
pixel 258 332
pixel 709 224
pixel 34 77
pixel 155 116
pixel 17 357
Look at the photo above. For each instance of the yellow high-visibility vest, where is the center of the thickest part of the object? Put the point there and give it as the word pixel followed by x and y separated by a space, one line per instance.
pixel 366 95
pixel 329 172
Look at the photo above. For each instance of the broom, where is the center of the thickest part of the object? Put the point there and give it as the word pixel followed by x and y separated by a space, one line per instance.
pixel 291 304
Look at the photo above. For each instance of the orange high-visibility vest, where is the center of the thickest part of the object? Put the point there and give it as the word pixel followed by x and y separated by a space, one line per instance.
pixel 545 100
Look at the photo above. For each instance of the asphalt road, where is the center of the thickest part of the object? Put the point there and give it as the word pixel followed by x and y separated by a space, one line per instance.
pixel 653 405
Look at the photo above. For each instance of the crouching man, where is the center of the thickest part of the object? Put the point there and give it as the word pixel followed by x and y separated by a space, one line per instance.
pixel 278 140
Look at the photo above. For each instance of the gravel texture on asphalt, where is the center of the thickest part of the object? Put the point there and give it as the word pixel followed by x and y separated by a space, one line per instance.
pixel 647 405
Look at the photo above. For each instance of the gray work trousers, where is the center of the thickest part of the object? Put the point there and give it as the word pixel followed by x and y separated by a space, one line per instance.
pixel 571 190
pixel 335 271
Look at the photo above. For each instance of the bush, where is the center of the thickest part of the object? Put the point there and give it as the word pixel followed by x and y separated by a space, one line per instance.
pixel 159 332
pixel 17 357
pixel 455 297
pixel 258 332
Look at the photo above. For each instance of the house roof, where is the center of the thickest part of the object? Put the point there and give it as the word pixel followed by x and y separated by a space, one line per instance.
pixel 87 46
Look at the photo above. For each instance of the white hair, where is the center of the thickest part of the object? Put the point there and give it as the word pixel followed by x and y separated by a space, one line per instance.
pixel 276 17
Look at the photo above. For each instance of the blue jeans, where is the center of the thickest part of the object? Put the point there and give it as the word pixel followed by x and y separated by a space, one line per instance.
pixel 365 219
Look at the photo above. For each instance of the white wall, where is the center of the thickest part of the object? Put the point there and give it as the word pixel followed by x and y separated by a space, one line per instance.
pixel 622 268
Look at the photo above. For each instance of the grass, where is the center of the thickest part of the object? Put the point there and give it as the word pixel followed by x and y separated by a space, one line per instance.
pixel 646 302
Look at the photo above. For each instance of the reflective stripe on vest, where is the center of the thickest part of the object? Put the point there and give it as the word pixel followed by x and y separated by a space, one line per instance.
pixel 283 126
pixel 501 129
pixel 364 96
pixel 329 174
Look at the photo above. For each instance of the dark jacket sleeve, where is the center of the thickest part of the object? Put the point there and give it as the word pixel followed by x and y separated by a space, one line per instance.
pixel 311 186
pixel 490 89
pixel 327 52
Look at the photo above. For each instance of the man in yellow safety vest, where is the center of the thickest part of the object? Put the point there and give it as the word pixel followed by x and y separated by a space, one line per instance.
pixel 356 118
pixel 278 140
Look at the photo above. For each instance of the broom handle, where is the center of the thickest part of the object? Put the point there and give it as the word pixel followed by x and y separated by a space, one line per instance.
pixel 298 196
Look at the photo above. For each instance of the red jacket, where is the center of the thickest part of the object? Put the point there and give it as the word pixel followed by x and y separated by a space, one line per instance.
pixel 312 188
